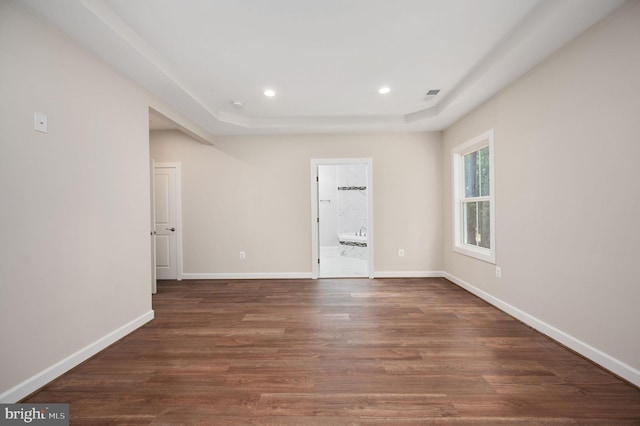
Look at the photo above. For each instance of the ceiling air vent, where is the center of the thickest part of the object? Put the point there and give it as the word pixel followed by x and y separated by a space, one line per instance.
pixel 430 94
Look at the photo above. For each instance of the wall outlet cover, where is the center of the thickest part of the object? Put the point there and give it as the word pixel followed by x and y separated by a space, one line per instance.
pixel 41 122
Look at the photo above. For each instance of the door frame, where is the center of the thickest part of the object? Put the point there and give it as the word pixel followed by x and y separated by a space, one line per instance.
pixel 152 228
pixel 315 206
pixel 178 168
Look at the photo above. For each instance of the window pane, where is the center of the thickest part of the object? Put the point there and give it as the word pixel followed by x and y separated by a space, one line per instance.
pixel 470 222
pixel 483 171
pixel 477 228
pixel 476 173
pixel 471 175
pixel 484 228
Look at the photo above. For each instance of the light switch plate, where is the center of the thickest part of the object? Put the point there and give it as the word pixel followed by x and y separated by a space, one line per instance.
pixel 40 122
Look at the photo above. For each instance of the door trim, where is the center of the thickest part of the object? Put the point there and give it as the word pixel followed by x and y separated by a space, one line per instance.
pixel 152 228
pixel 315 251
pixel 178 168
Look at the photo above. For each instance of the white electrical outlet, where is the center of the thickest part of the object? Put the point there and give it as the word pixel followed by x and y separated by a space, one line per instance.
pixel 243 255
pixel 41 122
pixel 498 272
pixel 400 252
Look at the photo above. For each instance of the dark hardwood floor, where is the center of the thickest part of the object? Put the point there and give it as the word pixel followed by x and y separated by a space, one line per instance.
pixel 337 352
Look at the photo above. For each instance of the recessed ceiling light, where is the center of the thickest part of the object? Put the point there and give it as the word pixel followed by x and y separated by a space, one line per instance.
pixel 384 90
pixel 269 93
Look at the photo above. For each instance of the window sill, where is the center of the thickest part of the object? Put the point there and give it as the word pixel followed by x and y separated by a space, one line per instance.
pixel 477 253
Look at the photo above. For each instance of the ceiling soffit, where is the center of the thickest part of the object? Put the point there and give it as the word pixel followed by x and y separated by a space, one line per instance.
pixel 546 26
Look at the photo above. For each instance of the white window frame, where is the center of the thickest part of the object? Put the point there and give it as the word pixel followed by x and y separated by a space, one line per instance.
pixel 457 155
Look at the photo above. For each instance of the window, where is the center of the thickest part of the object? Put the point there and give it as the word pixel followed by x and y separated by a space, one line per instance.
pixel 473 198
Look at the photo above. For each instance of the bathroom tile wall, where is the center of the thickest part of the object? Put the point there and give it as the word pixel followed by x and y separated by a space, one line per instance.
pixel 328 205
pixel 352 198
pixel 352 208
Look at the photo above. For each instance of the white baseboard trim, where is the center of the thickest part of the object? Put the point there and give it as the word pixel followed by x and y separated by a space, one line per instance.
pixel 603 359
pixel 302 275
pixel 247 276
pixel 35 382
pixel 408 274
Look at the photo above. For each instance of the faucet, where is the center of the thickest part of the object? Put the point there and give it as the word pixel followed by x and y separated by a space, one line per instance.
pixel 365 232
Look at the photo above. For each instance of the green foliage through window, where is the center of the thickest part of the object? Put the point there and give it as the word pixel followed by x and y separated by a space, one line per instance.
pixel 476 214
pixel 476 173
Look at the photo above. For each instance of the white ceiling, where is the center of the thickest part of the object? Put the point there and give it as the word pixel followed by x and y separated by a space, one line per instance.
pixel 326 59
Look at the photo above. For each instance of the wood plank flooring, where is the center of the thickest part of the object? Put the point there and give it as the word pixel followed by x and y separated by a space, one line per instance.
pixel 337 352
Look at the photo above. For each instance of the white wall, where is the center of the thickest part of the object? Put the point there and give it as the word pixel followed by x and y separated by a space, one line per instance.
pixel 75 263
pixel 566 156
pixel 253 194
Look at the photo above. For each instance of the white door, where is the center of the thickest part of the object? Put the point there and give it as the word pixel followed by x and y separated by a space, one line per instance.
pixel 166 221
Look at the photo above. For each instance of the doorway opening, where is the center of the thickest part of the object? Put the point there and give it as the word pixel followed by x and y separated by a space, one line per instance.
pixel 343 218
pixel 165 210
